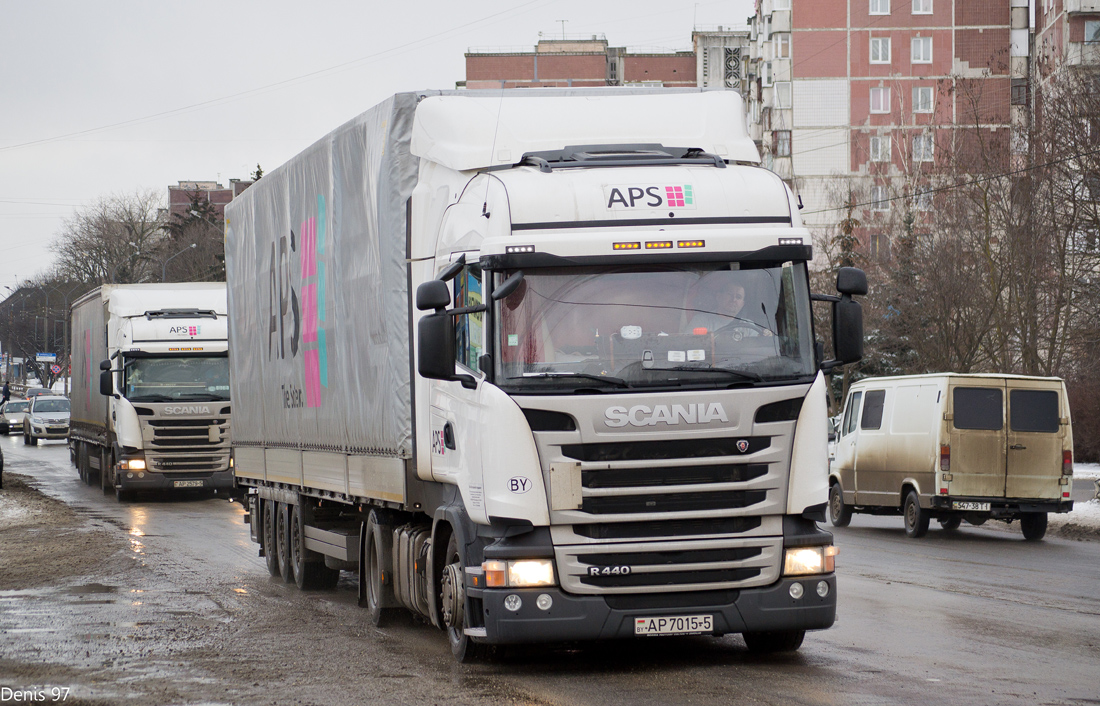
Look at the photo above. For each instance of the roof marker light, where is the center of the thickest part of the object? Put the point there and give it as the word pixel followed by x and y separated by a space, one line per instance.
pixel 509 249
pixel 691 243
pixel 790 241
pixel 626 246
pixel 658 244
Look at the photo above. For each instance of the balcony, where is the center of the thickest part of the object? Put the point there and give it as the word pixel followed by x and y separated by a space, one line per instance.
pixel 1083 54
pixel 1075 6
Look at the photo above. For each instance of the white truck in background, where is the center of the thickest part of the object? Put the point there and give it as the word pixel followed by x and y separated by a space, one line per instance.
pixel 150 394
pixel 588 445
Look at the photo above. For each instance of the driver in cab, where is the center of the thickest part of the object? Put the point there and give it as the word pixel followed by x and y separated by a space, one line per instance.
pixel 720 308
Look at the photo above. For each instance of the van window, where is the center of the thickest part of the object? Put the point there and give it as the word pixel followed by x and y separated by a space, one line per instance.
pixel 872 409
pixel 851 412
pixel 978 408
pixel 1033 410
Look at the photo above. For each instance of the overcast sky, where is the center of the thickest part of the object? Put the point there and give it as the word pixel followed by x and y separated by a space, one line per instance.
pixel 112 97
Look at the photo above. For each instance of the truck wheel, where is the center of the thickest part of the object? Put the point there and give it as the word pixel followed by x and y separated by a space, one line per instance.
pixel 839 513
pixel 307 566
pixel 375 564
pixel 1034 525
pixel 453 597
pixel 267 530
pixel 106 470
pixel 282 541
pixel 79 459
pixel 772 642
pixel 916 519
pixel 951 523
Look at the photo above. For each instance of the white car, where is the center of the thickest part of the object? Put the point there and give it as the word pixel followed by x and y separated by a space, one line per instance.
pixel 11 413
pixel 47 417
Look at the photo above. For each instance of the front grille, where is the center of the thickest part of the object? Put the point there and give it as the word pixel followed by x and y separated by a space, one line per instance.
pixel 666 450
pixel 698 565
pixel 672 502
pixel 667 528
pixel 185 444
pixel 672 475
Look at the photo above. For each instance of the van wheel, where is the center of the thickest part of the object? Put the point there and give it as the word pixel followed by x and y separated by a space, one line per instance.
pixel 839 513
pixel 951 523
pixel 771 642
pixel 1034 526
pixel 916 519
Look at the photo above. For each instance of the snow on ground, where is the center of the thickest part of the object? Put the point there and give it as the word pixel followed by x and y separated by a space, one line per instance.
pixel 10 511
pixel 1086 470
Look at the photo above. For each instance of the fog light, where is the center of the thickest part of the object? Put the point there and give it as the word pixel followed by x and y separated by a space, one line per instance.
pixel 141 475
pixel 822 588
pixel 129 475
pixel 544 601
pixel 513 602
pixel 796 591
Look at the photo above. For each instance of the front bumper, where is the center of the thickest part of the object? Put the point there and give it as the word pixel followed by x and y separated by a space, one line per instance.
pixel 152 480
pixel 575 617
pixel 50 431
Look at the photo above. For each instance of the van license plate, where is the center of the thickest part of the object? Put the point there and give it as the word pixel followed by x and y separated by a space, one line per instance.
pixel 187 484
pixel 674 625
pixel 967 505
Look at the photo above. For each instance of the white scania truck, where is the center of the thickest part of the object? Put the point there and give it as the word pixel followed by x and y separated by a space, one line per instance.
pixel 619 426
pixel 150 395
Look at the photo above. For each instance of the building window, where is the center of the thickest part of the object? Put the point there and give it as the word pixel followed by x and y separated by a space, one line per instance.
pixel 922 99
pixel 782 141
pixel 922 148
pixel 783 94
pixel 923 200
pixel 922 7
pixel 880 246
pixel 1092 31
pixel 922 50
pixel 879 199
pixel 782 46
pixel 766 74
pixel 781 5
pixel 880 148
pixel 880 7
pixel 880 50
pixel 880 99
pixel 1019 91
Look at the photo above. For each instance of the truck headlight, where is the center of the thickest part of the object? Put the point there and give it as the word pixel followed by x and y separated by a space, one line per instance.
pixel 519 573
pixel 133 464
pixel 802 561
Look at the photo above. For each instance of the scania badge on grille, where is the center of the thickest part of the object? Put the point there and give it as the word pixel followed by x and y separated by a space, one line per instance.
pixel 743 445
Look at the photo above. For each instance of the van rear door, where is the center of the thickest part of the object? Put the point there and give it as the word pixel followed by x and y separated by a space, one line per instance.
pixel 976 433
pixel 1035 439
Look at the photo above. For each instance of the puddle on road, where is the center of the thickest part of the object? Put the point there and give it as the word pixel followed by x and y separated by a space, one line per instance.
pixel 89 588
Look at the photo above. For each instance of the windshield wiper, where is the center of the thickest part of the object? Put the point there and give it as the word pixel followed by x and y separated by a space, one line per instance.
pixel 723 371
pixel 611 380
pixel 151 397
pixel 199 396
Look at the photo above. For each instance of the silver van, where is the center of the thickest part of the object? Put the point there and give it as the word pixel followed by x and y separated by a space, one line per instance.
pixel 954 447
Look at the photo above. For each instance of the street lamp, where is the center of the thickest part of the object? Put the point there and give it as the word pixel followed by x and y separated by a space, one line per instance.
pixel 164 267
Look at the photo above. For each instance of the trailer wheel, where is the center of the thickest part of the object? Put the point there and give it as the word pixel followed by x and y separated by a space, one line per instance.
pixel 307 566
pixel 839 513
pixel 282 541
pixel 80 457
pixel 376 569
pixel 916 519
pixel 951 523
pixel 772 642
pixel 453 597
pixel 1034 525
pixel 267 535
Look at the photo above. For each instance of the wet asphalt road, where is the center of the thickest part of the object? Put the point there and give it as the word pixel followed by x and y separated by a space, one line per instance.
pixel 976 616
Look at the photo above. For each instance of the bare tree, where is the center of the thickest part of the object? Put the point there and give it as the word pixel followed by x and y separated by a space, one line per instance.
pixel 115 239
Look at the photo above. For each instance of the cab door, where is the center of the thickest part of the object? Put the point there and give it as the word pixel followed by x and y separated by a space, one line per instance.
pixel 1036 436
pixel 976 434
pixel 845 459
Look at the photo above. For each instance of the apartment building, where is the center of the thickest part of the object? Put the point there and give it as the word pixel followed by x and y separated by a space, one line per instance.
pixel 853 101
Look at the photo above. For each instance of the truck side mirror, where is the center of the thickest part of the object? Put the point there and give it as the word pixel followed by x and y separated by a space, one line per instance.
pixel 851 280
pixel 105 387
pixel 433 294
pixel 847 330
pixel 104 365
pixel 435 358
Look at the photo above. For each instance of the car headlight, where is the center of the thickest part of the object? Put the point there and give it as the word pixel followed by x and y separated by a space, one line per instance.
pixel 519 573
pixel 37 420
pixel 803 561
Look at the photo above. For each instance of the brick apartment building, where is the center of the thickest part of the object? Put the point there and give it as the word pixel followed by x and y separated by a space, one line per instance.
pixel 184 193
pixel 716 60
pixel 877 91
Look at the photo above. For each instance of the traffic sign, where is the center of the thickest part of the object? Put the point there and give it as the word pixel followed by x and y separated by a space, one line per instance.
pixel 55 369
pixel 45 357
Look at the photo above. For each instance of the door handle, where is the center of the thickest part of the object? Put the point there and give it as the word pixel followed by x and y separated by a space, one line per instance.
pixel 449 436
pixel 1017 447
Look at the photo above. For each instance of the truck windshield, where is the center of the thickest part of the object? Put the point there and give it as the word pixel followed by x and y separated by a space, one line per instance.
pixel 646 326
pixel 179 378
